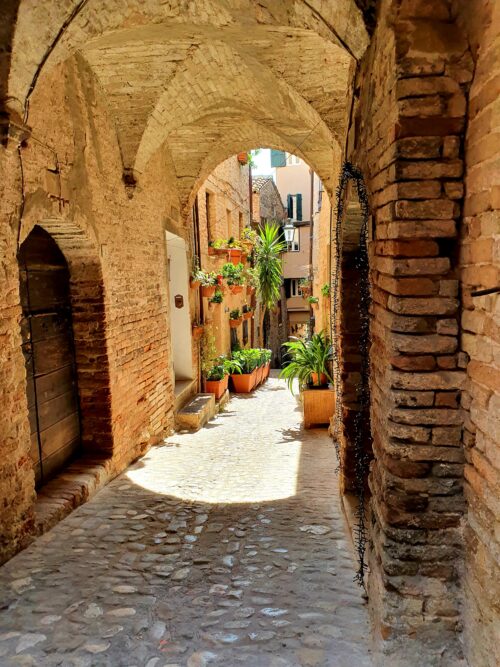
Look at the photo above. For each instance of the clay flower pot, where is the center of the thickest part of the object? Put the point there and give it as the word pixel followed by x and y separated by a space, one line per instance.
pixel 250 290
pixel 194 284
pixel 236 289
pixel 234 255
pixel 243 383
pixel 242 157
pixel 259 375
pixel 208 291
pixel 235 323
pixel 197 331
pixel 323 380
pixel 217 387
pixel 247 316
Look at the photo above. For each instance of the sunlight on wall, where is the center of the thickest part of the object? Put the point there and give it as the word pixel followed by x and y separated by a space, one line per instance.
pixel 195 467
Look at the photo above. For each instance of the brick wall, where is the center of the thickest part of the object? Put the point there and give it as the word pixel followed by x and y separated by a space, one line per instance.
pixel 480 336
pixel 115 248
pixel 410 122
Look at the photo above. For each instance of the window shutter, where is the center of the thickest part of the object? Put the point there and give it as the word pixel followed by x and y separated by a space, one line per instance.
pixel 289 206
pixel 299 207
pixel 278 158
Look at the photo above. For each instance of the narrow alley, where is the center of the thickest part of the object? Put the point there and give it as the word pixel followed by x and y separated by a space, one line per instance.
pixel 223 547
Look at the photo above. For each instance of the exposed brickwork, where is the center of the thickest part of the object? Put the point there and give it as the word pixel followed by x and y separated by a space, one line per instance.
pixel 411 119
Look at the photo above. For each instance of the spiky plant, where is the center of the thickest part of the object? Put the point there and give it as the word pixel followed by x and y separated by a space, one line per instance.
pixel 306 358
pixel 268 264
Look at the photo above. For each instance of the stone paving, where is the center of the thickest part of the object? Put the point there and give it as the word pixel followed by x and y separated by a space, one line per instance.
pixel 226 547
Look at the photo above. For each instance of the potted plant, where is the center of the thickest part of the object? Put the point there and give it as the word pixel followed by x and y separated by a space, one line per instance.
pixel 217 375
pixel 218 296
pixel 217 247
pixel 244 382
pixel 234 277
pixel 305 287
pixel 247 312
pixel 235 318
pixel 267 361
pixel 252 280
pixel 196 275
pixel 242 158
pixel 234 250
pixel 308 362
pixel 325 290
pixel 208 283
pixel 313 301
pixel 197 330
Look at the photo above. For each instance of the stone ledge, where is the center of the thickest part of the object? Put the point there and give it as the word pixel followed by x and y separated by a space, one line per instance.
pixel 75 486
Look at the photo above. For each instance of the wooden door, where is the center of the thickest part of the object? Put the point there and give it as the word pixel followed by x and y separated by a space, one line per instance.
pixel 48 349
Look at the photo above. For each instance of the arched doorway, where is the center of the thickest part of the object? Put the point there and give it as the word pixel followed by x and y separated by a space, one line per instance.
pixel 47 334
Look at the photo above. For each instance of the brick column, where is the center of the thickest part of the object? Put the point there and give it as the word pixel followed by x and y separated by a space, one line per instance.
pixel 412 116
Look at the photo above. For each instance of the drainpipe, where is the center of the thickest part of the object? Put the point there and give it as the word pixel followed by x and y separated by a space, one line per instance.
pixel 311 238
pixel 250 202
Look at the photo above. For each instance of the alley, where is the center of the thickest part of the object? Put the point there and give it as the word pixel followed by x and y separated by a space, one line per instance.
pixel 226 547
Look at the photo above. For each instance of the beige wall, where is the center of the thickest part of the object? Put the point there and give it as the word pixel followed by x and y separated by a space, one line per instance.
pixel 296 264
pixel 295 179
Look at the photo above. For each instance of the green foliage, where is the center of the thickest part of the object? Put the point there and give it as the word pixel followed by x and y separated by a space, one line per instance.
pixel 313 299
pixel 252 277
pixel 305 282
pixel 249 236
pixel 219 243
pixel 221 367
pixel 218 297
pixel 207 279
pixel 325 290
pixel 234 274
pixel 208 351
pixel 249 359
pixel 268 264
pixel 235 314
pixel 305 358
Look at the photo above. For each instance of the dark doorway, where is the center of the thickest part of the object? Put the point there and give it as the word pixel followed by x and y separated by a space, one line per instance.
pixel 48 348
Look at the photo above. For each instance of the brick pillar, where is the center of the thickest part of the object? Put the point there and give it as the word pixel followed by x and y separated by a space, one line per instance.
pixel 412 117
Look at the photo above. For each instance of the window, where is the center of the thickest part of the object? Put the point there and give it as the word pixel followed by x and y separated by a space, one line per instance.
pixel 210 211
pixel 294 287
pixel 292 159
pixel 294 206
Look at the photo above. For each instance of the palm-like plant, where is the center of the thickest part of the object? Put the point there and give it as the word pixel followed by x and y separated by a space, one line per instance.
pixel 268 264
pixel 306 358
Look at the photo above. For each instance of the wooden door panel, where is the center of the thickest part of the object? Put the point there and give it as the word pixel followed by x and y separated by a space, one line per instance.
pixel 59 435
pixel 53 384
pixel 58 408
pixel 47 290
pixel 52 354
pixel 53 463
pixel 48 325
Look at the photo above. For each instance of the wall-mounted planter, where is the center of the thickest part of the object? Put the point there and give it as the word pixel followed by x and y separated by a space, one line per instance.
pixel 208 291
pixel 236 289
pixel 242 158
pixel 247 316
pixel 235 323
pixel 194 284
pixel 197 331
pixel 218 252
pixel 234 255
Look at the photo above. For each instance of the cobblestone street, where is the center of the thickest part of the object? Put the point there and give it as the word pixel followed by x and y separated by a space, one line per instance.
pixel 223 547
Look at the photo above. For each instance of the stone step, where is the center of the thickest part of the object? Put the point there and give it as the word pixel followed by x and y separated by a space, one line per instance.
pixel 196 412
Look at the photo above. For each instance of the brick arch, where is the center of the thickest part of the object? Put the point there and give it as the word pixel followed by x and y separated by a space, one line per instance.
pixel 87 292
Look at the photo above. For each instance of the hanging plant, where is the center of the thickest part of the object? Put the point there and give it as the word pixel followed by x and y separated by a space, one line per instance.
pixel 325 290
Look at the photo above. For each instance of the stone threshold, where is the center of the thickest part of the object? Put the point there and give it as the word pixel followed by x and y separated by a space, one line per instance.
pixel 81 480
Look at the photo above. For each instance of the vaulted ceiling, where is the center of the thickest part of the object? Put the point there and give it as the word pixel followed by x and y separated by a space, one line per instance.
pixel 204 79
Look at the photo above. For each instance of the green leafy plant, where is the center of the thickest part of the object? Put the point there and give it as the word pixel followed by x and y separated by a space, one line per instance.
pixel 313 299
pixel 306 358
pixel 206 279
pixel 268 264
pixel 249 236
pixel 251 277
pixel 248 359
pixel 235 314
pixel 305 282
pixel 218 297
pixel 221 367
pixel 234 274
pixel 219 243
pixel 325 290
pixel 208 351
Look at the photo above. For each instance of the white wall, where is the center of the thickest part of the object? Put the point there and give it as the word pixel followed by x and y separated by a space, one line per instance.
pixel 180 321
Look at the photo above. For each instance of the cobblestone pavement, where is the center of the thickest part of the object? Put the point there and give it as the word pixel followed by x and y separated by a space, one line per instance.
pixel 223 547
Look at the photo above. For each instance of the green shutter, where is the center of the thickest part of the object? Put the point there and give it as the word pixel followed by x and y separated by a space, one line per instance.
pixel 278 158
pixel 289 206
pixel 299 207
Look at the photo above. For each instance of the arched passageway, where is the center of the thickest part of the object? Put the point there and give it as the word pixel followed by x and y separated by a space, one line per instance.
pixel 144 100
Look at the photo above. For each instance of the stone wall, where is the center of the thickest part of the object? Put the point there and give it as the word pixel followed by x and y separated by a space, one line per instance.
pixel 410 123
pixel 115 248
pixel 480 336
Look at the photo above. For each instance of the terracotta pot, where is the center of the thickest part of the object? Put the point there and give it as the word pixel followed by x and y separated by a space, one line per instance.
pixel 323 380
pixel 194 284
pixel 235 323
pixel 247 316
pixel 243 383
pixel 242 157
pixel 244 257
pixel 250 290
pixel 211 251
pixel 267 368
pixel 217 387
pixel 259 375
pixel 208 291
pixel 236 289
pixel 234 255
pixel 197 332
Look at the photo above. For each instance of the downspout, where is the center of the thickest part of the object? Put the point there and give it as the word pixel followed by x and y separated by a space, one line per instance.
pixel 311 239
